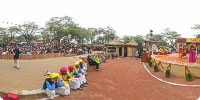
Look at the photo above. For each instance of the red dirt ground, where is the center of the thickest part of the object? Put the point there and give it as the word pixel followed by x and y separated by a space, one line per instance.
pixel 126 79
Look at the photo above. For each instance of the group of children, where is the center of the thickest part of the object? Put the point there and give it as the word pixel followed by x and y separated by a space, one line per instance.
pixel 71 77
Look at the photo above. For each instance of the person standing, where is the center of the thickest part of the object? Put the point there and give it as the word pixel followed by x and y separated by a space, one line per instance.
pixel 137 54
pixel 16 53
pixel 192 57
pixel 89 50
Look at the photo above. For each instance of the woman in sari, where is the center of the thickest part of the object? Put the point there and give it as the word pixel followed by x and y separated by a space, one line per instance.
pixel 192 57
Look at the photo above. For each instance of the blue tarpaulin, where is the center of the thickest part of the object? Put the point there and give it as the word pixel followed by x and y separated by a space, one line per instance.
pixel 21 43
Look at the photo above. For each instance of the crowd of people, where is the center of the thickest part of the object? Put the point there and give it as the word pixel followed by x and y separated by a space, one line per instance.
pixel 69 78
pixel 44 49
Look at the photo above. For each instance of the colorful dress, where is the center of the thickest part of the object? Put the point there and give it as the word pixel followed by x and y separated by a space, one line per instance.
pixel 180 51
pixel 184 52
pixel 192 58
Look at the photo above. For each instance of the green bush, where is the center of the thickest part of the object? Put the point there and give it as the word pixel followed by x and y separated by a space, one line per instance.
pixel 167 73
pixel 188 77
pixel 155 68
pixel 149 60
pixel 150 64
pixel 115 55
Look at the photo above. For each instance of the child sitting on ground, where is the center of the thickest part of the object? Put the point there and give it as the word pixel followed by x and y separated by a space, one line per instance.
pixel 65 78
pixel 53 85
pixel 74 81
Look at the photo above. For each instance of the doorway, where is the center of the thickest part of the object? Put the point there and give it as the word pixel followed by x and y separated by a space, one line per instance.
pixel 125 51
pixel 120 51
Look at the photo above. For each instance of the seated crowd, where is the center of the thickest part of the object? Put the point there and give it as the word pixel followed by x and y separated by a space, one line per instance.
pixel 69 78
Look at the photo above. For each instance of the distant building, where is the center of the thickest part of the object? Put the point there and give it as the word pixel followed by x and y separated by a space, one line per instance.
pixel 121 49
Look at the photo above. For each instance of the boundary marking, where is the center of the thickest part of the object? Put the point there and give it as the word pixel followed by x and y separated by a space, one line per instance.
pixel 171 83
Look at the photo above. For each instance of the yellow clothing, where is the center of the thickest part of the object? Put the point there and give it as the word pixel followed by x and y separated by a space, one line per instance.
pixel 76 69
pixel 81 61
pixel 76 63
pixel 71 74
pixel 65 80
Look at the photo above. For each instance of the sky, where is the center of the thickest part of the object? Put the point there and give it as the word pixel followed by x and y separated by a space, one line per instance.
pixel 127 17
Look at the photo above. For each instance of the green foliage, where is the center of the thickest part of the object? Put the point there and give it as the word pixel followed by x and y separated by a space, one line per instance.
pixel 58 26
pixel 4 38
pixel 13 30
pixel 197 27
pixel 126 38
pixel 160 39
pixel 155 68
pixel 188 77
pixel 115 55
pixel 138 38
pixel 105 35
pixel 149 62
pixel 170 37
pixel 19 38
pixel 27 30
pixel 167 73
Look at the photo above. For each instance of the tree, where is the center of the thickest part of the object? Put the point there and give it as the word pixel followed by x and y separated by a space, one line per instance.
pixel 105 35
pixel 126 38
pixel 78 34
pixel 197 27
pixel 58 25
pixel 3 35
pixel 45 35
pixel 92 34
pixel 20 38
pixel 139 38
pixel 27 30
pixel 170 37
pixel 109 34
pixel 13 30
pixel 160 39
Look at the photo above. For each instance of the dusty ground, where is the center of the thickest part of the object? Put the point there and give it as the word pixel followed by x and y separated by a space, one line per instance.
pixel 120 79
pixel 30 75
pixel 126 79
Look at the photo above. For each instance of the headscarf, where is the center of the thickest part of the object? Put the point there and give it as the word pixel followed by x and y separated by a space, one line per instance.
pixel 70 67
pixel 54 75
pixel 63 69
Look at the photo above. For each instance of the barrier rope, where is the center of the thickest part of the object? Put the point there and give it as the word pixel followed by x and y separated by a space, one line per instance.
pixel 186 69
pixel 171 83
pixel 160 65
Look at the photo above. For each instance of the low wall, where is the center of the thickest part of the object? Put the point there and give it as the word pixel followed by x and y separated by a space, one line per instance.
pixel 38 56
pixel 177 69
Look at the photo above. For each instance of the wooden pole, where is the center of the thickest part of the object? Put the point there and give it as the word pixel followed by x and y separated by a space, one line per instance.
pixel 196 54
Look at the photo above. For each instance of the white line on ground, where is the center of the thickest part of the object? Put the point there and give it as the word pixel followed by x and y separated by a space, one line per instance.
pixel 171 83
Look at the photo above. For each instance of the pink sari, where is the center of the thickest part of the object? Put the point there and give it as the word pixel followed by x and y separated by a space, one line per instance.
pixel 192 58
